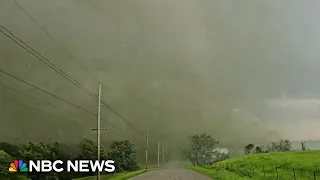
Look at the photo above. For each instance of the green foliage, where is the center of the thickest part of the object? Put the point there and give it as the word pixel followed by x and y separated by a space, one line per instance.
pixel 282 146
pixel 124 154
pixel 12 150
pixel 40 151
pixel 201 151
pixel 305 163
pixel 5 160
pixel 89 150
pixel 303 146
pixel 248 148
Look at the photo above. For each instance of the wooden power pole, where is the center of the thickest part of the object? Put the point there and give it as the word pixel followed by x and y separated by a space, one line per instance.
pixel 166 150
pixel 163 146
pixel 98 129
pixel 147 146
pixel 159 145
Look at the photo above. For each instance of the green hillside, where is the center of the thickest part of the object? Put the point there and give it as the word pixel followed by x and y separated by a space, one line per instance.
pixel 304 165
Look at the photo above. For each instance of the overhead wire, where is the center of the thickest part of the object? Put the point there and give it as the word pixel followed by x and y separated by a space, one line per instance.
pixel 72 57
pixel 52 37
pixel 22 44
pixel 44 102
pixel 25 46
pixel 40 101
pixel 53 95
pixel 28 106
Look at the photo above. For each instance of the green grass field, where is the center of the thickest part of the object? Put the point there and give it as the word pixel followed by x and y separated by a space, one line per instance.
pixel 120 176
pixel 265 166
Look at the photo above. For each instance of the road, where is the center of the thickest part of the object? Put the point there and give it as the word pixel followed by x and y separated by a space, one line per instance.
pixel 171 174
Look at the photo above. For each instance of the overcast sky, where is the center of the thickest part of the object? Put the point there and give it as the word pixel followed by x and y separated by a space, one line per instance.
pixel 236 69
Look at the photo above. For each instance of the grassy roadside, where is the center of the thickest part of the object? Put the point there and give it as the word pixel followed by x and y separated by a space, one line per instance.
pixel 218 175
pixel 302 165
pixel 119 176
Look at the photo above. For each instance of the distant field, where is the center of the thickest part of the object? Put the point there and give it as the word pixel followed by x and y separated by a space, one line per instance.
pixel 120 176
pixel 263 166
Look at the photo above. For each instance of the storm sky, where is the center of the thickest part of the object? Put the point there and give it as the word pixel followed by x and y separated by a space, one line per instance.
pixel 240 70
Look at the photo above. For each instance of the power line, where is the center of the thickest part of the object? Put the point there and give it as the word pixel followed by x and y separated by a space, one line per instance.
pixel 36 109
pixel 38 100
pixel 59 71
pixel 30 107
pixel 54 39
pixel 43 102
pixel 43 59
pixel 53 95
pixel 62 47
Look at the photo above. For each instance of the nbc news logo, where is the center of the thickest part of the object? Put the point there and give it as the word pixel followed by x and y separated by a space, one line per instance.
pixel 56 166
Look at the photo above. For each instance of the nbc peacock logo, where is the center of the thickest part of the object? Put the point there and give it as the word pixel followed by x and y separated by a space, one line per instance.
pixel 18 166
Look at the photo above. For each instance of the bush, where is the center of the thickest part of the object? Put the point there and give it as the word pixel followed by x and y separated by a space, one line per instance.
pixel 202 150
pixel 123 152
pixel 124 155
pixel 40 151
pixel 5 160
pixel 12 150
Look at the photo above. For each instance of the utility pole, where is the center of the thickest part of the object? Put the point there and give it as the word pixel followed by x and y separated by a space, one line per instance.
pixel 159 145
pixel 98 129
pixel 147 146
pixel 163 145
pixel 166 150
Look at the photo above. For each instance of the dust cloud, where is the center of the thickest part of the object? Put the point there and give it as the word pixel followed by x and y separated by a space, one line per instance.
pixel 170 67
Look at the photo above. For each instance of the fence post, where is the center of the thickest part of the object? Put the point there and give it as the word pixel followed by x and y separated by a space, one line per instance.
pixel 314 176
pixel 247 173
pixel 244 168
pixel 264 173
pixel 277 172
pixel 294 174
pixel 252 169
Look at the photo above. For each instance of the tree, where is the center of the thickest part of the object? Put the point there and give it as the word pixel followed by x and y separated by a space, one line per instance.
pixel 66 152
pixel 201 151
pixel 89 150
pixel 124 155
pixel 282 146
pixel 303 146
pixel 285 145
pixel 5 160
pixel 40 151
pixel 12 150
pixel 248 148
pixel 258 150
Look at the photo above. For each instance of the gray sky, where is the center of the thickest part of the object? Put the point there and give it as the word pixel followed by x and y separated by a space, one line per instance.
pixel 240 70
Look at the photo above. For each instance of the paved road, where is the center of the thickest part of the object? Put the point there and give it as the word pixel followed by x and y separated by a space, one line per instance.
pixel 171 174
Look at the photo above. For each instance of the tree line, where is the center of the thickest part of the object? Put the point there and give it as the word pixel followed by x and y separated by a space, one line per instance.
pixel 122 152
pixel 203 149
pixel 281 146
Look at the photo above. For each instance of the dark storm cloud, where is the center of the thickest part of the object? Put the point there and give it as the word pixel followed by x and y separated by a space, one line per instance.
pixel 173 67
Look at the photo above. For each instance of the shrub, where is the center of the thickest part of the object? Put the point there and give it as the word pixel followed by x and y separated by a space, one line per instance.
pixel 124 155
